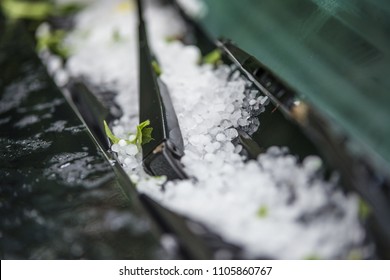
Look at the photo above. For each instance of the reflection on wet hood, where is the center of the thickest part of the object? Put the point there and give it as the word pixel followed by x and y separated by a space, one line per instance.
pixel 58 195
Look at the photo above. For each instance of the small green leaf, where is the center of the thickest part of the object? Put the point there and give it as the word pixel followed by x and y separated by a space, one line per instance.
pixel 37 10
pixel 213 57
pixel 109 134
pixel 116 36
pixel 170 39
pixel 53 41
pixel 355 254
pixel 364 209
pixel 147 135
pixel 156 68
pixel 144 133
pixel 143 125
pixel 262 212
pixel 312 257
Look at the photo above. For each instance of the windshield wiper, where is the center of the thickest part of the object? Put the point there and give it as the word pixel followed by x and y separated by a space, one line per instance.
pixel 162 155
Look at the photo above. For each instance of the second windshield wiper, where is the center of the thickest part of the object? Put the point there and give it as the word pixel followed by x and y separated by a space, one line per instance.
pixel 162 155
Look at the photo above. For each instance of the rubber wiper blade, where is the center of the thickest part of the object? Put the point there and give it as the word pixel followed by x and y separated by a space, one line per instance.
pixel 162 155
pixel 257 73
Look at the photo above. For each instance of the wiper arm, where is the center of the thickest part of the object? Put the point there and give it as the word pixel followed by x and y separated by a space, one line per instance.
pixel 162 155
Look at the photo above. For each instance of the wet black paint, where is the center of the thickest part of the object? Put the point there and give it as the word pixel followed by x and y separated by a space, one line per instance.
pixel 59 198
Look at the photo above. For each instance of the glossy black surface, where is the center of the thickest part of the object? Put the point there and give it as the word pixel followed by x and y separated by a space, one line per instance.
pixel 59 198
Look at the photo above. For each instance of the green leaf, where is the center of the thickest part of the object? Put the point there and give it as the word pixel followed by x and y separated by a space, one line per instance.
pixel 37 10
pixel 116 36
pixel 143 124
pixel 364 209
pixel 262 212
pixel 213 57
pixel 312 257
pixel 172 38
pixel 53 41
pixel 109 134
pixel 147 135
pixel 355 254
pixel 144 133
pixel 156 68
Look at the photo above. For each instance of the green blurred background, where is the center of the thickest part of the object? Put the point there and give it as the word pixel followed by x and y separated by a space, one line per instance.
pixel 334 53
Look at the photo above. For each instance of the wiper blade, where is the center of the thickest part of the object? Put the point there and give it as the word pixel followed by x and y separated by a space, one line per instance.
pixel 162 155
pixel 257 73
